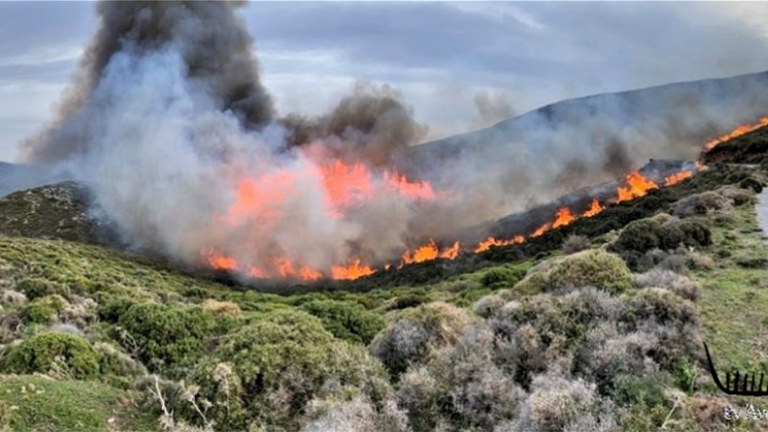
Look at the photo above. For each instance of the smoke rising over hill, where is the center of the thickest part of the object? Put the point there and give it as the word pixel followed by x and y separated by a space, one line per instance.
pixel 168 122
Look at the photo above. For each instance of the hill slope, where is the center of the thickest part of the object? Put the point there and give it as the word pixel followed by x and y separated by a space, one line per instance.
pixel 605 315
pixel 689 112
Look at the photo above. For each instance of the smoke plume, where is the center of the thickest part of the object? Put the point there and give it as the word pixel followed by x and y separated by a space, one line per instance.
pixel 493 108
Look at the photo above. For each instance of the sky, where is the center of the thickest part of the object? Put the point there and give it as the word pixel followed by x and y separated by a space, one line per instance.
pixel 460 65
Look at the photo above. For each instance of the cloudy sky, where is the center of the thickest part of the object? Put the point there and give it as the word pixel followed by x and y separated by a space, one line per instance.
pixel 460 65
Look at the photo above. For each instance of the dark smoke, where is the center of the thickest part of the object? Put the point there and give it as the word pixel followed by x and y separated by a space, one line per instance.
pixel 213 42
pixel 373 123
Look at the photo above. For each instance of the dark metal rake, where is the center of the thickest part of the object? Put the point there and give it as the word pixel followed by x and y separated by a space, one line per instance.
pixel 748 389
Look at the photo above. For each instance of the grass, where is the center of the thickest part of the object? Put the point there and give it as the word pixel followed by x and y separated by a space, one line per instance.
pixel 734 299
pixel 40 404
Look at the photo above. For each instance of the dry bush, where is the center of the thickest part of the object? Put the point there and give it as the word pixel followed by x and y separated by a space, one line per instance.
pixel 462 386
pixel 356 415
pixel 575 243
pixel 704 203
pixel 704 413
pixel 679 284
pixel 738 195
pixel 416 333
pixel 700 261
pixel 217 307
pixel 489 305
pixel 11 326
pixel 12 298
pixel 609 353
pixel 540 330
pixel 80 312
pixel 673 320
pixel 558 404
pixel 677 263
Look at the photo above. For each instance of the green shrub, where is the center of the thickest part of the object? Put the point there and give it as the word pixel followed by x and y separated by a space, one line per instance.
pixel 111 308
pixel 592 268
pixel 346 320
pixel 173 336
pixel 671 236
pixel 640 236
pixel 43 310
pixel 752 183
pixel 36 287
pixel 408 301
pixel 265 374
pixel 117 367
pixel 502 277
pixel 630 390
pixel 696 233
pixel 39 352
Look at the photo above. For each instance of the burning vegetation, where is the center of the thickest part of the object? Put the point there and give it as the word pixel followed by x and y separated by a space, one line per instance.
pixel 349 192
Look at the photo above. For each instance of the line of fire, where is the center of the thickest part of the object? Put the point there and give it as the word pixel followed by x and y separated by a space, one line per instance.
pixel 514 229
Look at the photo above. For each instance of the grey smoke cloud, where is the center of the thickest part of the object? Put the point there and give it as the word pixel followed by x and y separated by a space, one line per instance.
pixel 493 107
pixel 169 124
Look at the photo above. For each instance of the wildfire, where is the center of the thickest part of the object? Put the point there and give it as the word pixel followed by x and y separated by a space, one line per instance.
pixel 594 208
pixel 740 130
pixel 348 185
pixel 677 177
pixel 486 244
pixel 564 217
pixel 637 186
pixel 353 271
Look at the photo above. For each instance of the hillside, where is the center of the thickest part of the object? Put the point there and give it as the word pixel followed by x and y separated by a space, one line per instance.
pixel 681 110
pixel 593 326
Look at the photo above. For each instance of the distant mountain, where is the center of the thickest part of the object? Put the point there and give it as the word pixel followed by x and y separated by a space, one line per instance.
pixel 667 121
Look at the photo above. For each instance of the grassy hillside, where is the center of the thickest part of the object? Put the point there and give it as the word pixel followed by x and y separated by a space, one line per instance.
pixel 595 326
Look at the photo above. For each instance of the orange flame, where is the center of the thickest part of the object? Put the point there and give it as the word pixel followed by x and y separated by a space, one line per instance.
pixel 637 186
pixel 220 262
pixel 416 190
pixel 594 209
pixel 740 130
pixel 564 217
pixel 677 177
pixel 487 244
pixel 452 252
pixel 429 252
pixel 353 271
